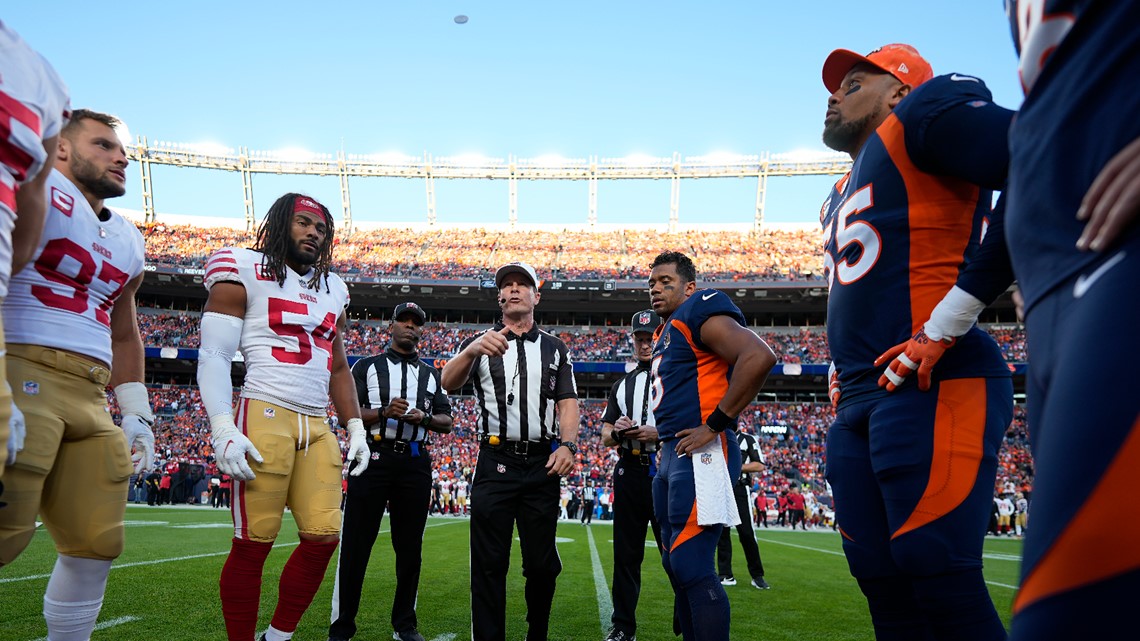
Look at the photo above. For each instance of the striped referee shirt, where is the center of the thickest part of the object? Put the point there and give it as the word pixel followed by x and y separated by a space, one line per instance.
pixel 630 397
pixel 381 378
pixel 749 453
pixel 517 392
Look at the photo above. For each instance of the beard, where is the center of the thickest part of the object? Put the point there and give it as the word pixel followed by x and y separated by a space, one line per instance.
pixel 843 136
pixel 302 256
pixel 97 183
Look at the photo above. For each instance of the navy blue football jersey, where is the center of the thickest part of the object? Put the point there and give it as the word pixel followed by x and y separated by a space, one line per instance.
pixel 895 238
pixel 689 379
pixel 1079 63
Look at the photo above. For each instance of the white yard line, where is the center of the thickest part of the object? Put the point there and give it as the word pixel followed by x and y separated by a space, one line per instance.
pixel 104 625
pixel 833 552
pixel 445 637
pixel 119 566
pixel 605 605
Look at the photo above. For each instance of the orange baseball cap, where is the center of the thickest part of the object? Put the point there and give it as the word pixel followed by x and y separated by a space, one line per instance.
pixel 901 61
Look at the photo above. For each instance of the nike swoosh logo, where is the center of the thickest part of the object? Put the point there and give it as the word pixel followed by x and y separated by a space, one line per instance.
pixel 1085 281
pixel 956 78
pixel 708 296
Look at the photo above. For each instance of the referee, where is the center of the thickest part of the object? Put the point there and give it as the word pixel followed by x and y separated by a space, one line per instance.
pixel 628 424
pixel 402 401
pixel 520 375
pixel 753 461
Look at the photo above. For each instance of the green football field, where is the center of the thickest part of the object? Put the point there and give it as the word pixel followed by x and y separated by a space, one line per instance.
pixel 165 586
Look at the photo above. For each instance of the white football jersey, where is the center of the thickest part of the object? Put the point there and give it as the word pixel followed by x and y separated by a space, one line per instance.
pixel 64 297
pixel 288 332
pixel 33 106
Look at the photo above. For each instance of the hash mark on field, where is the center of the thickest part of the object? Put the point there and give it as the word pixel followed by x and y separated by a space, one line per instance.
pixel 106 624
pixel 189 557
pixel 805 547
pixel 605 606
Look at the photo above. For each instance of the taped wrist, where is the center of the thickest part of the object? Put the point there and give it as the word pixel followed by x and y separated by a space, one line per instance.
pixel 133 399
pixel 954 315
pixel 355 428
pixel 221 335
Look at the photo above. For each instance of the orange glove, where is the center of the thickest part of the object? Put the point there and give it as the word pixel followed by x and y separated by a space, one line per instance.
pixel 919 353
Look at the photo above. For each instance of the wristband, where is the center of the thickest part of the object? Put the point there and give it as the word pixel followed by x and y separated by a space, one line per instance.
pixel 718 421
pixel 133 399
pixel 426 422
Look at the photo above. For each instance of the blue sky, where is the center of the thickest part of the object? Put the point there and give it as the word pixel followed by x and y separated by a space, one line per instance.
pixel 571 78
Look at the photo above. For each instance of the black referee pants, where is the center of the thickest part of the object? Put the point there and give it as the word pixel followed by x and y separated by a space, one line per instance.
pixel 747 539
pixel 633 513
pixel 509 490
pixel 402 483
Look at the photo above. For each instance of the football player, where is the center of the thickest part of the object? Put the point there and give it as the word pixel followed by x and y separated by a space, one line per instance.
pixel 913 460
pixel 282 308
pixel 1074 198
pixel 71 328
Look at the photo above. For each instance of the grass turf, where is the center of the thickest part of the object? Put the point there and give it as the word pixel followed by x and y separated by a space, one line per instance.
pixel 165 585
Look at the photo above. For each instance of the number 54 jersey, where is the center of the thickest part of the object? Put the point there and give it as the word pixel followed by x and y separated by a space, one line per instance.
pixel 895 238
pixel 64 297
pixel 288 333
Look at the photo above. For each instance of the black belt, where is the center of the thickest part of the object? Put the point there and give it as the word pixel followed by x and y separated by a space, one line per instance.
pixel 397 446
pixel 518 448
pixel 638 459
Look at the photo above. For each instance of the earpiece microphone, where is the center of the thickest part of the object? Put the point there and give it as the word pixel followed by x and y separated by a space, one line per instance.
pixel 502 301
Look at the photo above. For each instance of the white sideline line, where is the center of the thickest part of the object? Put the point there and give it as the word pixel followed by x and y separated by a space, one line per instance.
pixel 445 637
pixel 805 547
pixel 119 566
pixel 605 606
pixel 104 625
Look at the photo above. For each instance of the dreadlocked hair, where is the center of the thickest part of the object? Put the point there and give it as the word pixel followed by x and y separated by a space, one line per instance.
pixel 274 238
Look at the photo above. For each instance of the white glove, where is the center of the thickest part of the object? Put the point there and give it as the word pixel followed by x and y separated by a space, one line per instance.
pixel 230 448
pixel 358 446
pixel 16 432
pixel 137 421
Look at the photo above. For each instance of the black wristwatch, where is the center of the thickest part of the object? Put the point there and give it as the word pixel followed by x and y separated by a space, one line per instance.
pixel 570 445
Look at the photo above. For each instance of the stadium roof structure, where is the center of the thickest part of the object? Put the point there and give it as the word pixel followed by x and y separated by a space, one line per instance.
pixel 429 168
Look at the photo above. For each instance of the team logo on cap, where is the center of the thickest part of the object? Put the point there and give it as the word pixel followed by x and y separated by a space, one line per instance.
pixel 375 456
pixel 903 68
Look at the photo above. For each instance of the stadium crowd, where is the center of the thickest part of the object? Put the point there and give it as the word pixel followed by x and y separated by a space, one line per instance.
pixel 792 436
pixel 473 253
pixel 806 345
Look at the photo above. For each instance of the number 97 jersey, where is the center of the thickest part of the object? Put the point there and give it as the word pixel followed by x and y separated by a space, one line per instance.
pixel 287 338
pixel 64 298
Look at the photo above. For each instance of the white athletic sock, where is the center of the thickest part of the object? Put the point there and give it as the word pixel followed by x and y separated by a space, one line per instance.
pixel 273 634
pixel 74 597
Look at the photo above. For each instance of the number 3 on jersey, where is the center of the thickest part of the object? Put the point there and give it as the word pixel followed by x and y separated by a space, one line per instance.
pixel 323 334
pixel 859 232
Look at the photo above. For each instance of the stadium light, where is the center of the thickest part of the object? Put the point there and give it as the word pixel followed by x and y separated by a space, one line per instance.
pixel 468 160
pixel 293 154
pixel 210 148
pixel 390 158
pixel 810 155
pixel 722 158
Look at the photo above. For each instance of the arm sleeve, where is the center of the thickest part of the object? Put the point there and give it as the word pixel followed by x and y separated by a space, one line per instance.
pixel 989 272
pixel 221 335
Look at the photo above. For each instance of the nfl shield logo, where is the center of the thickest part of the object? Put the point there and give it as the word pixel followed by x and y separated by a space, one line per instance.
pixel 706 458
pixel 621 471
pixel 643 318
pixel 502 469
pixel 269 413
pixel 376 456
pixel 31 388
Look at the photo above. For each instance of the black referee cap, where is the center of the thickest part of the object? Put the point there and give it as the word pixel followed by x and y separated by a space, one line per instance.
pixel 645 321
pixel 410 308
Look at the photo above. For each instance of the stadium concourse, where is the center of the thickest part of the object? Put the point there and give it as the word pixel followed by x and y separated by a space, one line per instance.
pixel 594 281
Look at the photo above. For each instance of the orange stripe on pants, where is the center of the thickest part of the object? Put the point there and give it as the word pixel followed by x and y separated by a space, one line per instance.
pixel 691 529
pixel 959 437
pixel 1101 540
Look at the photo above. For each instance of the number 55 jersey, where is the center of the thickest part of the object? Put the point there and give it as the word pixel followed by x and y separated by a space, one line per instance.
pixel 63 298
pixel 895 237
pixel 288 333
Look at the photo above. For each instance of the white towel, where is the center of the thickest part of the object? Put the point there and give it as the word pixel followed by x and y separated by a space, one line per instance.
pixel 716 504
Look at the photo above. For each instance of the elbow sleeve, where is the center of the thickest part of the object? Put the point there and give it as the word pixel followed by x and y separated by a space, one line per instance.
pixel 221 335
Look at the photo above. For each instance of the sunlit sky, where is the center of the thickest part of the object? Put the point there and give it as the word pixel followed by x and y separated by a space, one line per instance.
pixel 574 79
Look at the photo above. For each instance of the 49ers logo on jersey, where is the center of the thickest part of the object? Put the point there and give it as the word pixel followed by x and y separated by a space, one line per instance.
pixel 62 201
